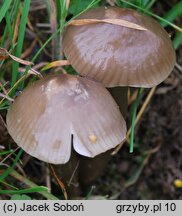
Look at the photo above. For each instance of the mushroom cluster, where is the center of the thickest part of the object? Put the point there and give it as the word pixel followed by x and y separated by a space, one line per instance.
pixel 56 110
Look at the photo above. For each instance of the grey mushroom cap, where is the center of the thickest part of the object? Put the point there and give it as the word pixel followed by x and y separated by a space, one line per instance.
pixel 116 55
pixel 44 117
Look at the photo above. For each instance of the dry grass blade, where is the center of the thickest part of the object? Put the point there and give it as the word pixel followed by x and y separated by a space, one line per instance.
pixel 34 72
pixel 59 182
pixel 3 89
pixel 139 115
pixel 7 97
pixel 67 4
pixel 29 50
pixel 17 24
pixel 145 104
pixel 119 22
pixel 56 64
pixel 179 67
pixel 111 2
pixel 132 98
pixel 153 150
pixel 37 5
pixel 3 121
pixel 138 172
pixel 22 78
pixel 9 155
pixel 72 176
pixel 48 179
pixel 21 61
pixel 53 25
pixel 30 71
pixel 5 54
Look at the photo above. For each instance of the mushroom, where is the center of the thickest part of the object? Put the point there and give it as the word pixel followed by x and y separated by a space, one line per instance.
pixel 44 117
pixel 117 55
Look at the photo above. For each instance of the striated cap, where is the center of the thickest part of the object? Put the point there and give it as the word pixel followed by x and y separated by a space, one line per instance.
pixel 117 55
pixel 44 117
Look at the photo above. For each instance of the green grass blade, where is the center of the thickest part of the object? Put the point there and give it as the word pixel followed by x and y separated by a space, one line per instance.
pixel 90 192
pixel 177 40
pixel 5 152
pixel 5 183
pixel 4 107
pixel 77 7
pixel 150 4
pixel 38 53
pixel 21 35
pixel 13 15
pixel 154 15
pixel 29 190
pixel 63 12
pixel 8 170
pixel 58 6
pixel 4 9
pixel 3 38
pixel 92 4
pixel 134 178
pixel 57 32
pixel 31 184
pixel 134 112
pixel 173 13
pixel 10 30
